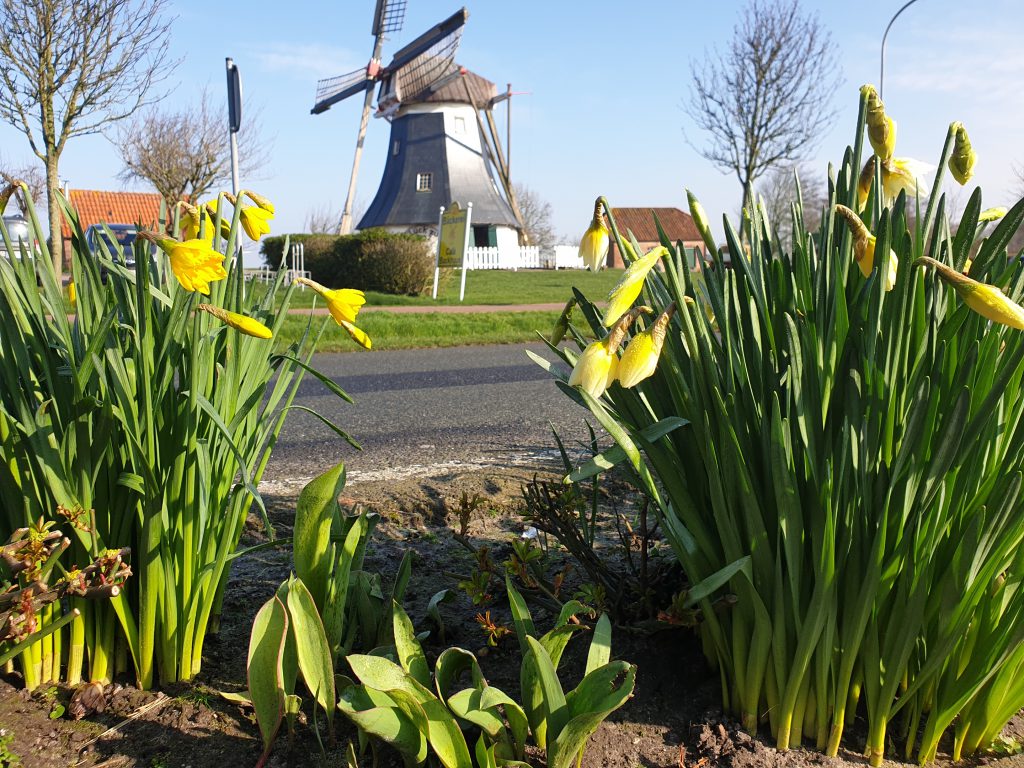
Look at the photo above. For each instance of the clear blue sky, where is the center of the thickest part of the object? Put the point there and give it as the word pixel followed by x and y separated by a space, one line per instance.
pixel 606 84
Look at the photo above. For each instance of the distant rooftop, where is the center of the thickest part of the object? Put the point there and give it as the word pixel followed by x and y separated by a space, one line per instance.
pixel 678 225
pixel 96 207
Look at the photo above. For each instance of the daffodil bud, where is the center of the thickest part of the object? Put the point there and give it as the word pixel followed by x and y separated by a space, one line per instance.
pixel 247 325
pixel 72 293
pixel 596 240
pixel 987 300
pixel 991 214
pixel 5 196
pixel 261 202
pixel 630 284
pixel 596 368
pixel 640 358
pixel 700 219
pixel 864 247
pixel 961 162
pixel 562 324
pixel 864 182
pixel 881 127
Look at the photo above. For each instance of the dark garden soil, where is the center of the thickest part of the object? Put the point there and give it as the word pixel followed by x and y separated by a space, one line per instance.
pixel 673 720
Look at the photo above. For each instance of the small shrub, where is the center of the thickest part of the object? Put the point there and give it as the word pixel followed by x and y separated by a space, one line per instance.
pixel 375 260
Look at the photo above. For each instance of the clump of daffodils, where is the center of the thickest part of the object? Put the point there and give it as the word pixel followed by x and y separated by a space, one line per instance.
pixel 599 365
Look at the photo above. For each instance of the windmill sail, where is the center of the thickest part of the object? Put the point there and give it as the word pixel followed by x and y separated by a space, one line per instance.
pixel 334 89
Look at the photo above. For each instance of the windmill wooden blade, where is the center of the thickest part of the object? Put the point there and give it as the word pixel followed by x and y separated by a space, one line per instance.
pixel 388 17
pixel 334 89
pixel 441 40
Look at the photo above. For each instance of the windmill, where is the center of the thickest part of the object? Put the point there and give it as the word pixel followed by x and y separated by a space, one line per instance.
pixel 440 149
pixel 388 17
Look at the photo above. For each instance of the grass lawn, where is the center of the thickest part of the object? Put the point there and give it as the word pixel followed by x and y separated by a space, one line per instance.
pixel 412 331
pixel 497 287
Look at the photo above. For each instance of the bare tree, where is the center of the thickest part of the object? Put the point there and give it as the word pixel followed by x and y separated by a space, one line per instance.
pixel 766 100
pixel 536 217
pixel 70 67
pixel 778 191
pixel 184 153
pixel 323 220
pixel 31 174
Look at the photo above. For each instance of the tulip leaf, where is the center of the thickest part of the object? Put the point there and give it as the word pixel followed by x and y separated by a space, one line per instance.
pixel 334 611
pixel 380 716
pixel 601 644
pixel 266 648
pixel 598 695
pixel 449 667
pixel 554 709
pixel 314 654
pixel 314 513
pixel 410 653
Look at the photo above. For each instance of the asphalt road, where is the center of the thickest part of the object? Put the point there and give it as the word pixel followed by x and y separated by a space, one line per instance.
pixel 426 411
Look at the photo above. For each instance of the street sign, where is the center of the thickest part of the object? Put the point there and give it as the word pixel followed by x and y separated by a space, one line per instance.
pixel 234 97
pixel 453 229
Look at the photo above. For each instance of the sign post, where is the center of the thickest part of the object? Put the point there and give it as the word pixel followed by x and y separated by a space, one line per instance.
pixel 453 229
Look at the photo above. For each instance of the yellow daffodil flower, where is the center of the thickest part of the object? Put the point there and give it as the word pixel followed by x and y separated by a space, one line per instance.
pixel 192 222
pixel 630 284
pixel 864 247
pixel 640 358
pixel 881 127
pixel 247 325
pixel 898 174
pixel 987 300
pixel 904 173
pixel 991 214
pixel 194 262
pixel 254 219
pixel 255 222
pixel 961 162
pixel 72 293
pixel 343 304
pixel 595 241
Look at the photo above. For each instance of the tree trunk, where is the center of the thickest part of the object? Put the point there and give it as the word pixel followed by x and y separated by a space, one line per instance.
pixel 55 215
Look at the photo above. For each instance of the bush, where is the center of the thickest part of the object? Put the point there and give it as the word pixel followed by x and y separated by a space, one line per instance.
pixel 371 260
pixel 375 260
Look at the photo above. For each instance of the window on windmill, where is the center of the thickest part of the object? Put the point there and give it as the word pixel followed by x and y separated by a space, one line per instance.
pixel 424 182
pixel 394 149
pixel 460 125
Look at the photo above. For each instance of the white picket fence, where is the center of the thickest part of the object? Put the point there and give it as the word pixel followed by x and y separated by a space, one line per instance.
pixel 524 257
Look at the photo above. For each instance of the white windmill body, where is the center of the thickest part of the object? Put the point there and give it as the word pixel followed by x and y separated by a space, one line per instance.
pixel 438 151
pixel 438 154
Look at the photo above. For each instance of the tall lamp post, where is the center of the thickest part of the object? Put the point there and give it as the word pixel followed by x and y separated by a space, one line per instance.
pixel 881 71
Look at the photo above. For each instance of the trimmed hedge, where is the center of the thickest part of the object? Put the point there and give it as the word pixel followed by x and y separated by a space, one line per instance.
pixel 370 260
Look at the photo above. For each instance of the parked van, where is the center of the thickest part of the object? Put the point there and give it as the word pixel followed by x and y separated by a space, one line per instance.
pixel 18 233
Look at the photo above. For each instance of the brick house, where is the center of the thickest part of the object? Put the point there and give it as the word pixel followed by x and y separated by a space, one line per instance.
pixel 96 207
pixel 678 225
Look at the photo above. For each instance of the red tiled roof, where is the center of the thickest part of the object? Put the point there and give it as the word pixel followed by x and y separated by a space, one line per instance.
pixel 640 221
pixel 95 207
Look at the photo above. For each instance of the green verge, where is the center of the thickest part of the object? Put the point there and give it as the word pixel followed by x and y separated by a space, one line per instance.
pixel 493 286
pixel 420 330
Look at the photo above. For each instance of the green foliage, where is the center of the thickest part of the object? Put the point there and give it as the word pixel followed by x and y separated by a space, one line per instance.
pixel 317 248
pixel 419 714
pixel 151 422
pixel 347 609
pixel 8 758
pixel 850 472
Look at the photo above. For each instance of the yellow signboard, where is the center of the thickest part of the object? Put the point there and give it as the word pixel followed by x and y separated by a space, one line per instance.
pixel 452 249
